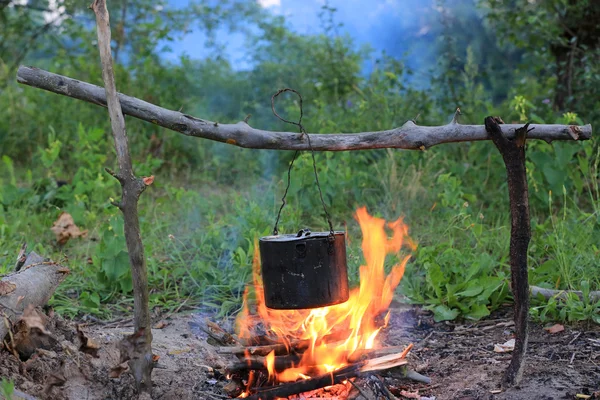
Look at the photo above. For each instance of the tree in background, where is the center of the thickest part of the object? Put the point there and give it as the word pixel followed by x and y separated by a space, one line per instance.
pixel 562 39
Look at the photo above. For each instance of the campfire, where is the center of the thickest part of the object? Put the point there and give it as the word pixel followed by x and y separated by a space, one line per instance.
pixel 285 352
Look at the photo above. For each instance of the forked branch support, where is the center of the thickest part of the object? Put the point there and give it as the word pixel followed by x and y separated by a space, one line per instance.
pixel 408 136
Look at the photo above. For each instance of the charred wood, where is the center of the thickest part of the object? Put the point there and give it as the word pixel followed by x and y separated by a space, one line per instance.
pixel 317 382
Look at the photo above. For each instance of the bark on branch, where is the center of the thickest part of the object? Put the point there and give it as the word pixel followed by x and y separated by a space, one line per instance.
pixel 141 365
pixel 34 283
pixel 513 154
pixel 408 136
pixel 563 294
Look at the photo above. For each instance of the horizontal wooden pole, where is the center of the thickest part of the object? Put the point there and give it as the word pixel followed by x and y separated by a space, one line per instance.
pixel 408 136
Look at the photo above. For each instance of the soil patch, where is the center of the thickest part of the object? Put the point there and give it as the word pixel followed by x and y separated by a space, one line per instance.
pixel 458 357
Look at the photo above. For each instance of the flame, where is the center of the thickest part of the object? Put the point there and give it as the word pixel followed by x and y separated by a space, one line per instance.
pixel 270 364
pixel 334 333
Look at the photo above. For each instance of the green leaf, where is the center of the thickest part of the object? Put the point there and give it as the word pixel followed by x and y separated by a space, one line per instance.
pixel 477 312
pixel 444 313
pixel 116 267
pixel 489 284
pixel 474 289
pixel 90 300
pixel 391 75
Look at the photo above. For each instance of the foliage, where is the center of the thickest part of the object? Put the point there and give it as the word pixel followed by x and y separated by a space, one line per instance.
pixel 561 40
pixel 7 388
pixel 210 201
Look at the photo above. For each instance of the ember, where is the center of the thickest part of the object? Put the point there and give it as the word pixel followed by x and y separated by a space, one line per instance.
pixel 331 338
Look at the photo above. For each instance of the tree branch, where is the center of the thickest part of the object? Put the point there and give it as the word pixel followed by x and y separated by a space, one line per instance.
pixel 535 291
pixel 141 365
pixel 408 136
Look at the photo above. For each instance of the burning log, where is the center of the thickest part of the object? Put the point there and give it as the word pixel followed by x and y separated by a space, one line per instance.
pixel 279 349
pixel 283 362
pixel 317 382
pixel 310 349
pixel 251 360
pixel 282 347
pixel 332 378
pixel 259 363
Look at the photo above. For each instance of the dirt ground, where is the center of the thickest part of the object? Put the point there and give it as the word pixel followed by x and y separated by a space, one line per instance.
pixel 458 357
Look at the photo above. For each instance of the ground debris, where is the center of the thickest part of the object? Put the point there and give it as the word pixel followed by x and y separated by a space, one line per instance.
pixel 64 228
pixel 30 334
pixel 87 345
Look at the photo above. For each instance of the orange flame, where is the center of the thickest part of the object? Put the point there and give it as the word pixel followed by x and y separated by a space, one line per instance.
pixel 352 323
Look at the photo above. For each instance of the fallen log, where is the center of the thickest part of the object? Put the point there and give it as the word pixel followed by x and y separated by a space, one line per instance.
pixel 408 136
pixel 34 284
pixel 561 294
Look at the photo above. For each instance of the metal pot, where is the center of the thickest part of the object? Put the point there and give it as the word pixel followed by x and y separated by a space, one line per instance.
pixel 306 270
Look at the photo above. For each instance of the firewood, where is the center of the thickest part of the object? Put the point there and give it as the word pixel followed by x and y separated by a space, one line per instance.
pixel 279 349
pixel 385 362
pixel 216 332
pixel 34 284
pixel 360 355
pixel 258 363
pixel 338 376
pixel 302 386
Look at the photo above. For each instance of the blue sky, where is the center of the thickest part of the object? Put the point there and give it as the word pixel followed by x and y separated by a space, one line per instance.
pixel 394 26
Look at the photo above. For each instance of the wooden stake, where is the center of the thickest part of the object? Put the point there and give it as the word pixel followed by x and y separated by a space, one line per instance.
pixel 141 365
pixel 513 154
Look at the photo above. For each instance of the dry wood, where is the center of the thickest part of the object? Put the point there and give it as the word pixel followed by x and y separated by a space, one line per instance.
pixel 562 294
pixel 34 284
pixel 384 362
pixel 513 154
pixel 379 387
pixel 216 332
pixel 408 136
pixel 21 257
pixel 360 355
pixel 141 365
pixel 278 348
